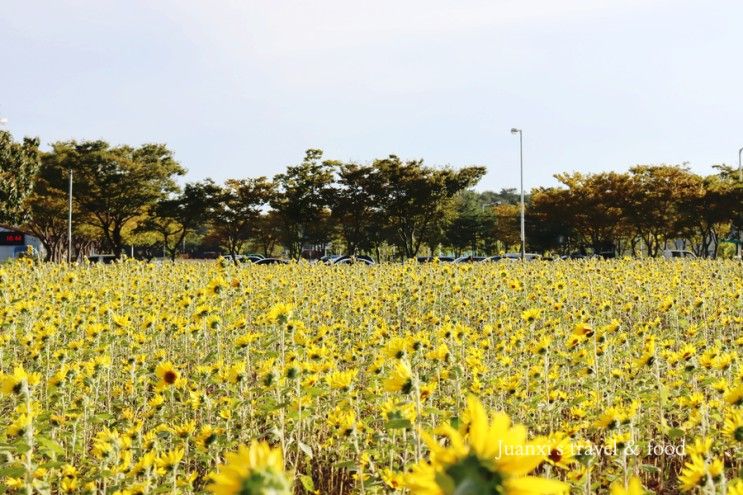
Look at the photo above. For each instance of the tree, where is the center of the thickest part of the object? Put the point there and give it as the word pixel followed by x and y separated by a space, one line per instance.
pixel 114 185
pixel 236 209
pixel 592 206
pixel 302 202
pixel 353 206
pixel 267 232
pixel 175 217
pixel 413 198
pixel 651 203
pixel 507 224
pixel 705 216
pixel 48 206
pixel 471 223
pixel 19 164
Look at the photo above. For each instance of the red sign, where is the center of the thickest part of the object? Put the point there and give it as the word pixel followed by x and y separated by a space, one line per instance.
pixel 12 239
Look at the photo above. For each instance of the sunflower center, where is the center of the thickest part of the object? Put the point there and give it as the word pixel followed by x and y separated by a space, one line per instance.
pixel 170 377
pixel 261 482
pixel 471 477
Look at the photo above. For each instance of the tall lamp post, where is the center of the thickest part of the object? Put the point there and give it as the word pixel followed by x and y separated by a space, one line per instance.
pixel 740 227
pixel 521 163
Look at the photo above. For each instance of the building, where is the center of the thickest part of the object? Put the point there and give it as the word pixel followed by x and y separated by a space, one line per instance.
pixel 15 242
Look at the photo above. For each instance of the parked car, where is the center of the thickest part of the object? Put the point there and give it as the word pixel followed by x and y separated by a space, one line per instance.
pixel 102 258
pixel 469 259
pixel 431 259
pixel 579 256
pixel 271 261
pixel 355 261
pixel 677 253
pixel 352 259
pixel 498 258
pixel 527 256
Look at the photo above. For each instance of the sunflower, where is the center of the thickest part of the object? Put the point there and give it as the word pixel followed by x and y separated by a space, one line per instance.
pixel 697 471
pixel 736 487
pixel 207 436
pixel 341 380
pixel 280 313
pixel 634 487
pixel 401 379
pixel 168 461
pixel 19 427
pixel 733 427
pixel 166 373
pixel 583 329
pixel 735 396
pixel 530 315
pixel 254 470
pixel 493 458
pixel 561 450
pixel 184 430
pixel 13 383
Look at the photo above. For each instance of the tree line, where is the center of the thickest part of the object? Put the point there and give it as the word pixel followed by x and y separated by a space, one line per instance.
pixel 126 195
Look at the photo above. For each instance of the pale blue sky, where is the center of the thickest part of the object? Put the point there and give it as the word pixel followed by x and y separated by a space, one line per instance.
pixel 242 88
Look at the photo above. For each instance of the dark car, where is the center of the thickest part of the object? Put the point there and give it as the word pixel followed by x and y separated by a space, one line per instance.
pixel 497 258
pixel 432 259
pixel 346 260
pixel 469 259
pixel 271 261
pixel 355 261
pixel 102 258
pixel 573 256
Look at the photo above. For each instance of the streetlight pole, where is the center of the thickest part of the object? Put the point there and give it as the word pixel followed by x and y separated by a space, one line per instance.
pixel 521 163
pixel 740 227
pixel 69 221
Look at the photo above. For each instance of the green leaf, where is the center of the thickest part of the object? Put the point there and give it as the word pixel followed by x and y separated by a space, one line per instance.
pixel 50 446
pixel 21 447
pixel 395 424
pixel 307 482
pixel 675 433
pixel 12 471
pixel 346 465
pixel 313 391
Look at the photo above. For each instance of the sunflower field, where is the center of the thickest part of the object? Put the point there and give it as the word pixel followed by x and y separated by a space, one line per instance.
pixel 581 376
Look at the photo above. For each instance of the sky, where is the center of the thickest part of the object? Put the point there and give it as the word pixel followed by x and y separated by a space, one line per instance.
pixel 242 88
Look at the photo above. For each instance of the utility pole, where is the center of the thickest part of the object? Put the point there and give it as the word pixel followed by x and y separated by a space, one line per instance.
pixel 740 227
pixel 521 163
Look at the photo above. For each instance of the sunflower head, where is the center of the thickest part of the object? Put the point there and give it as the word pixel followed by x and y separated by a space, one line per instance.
pixel 167 373
pixel 485 457
pixel 401 379
pixel 254 470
